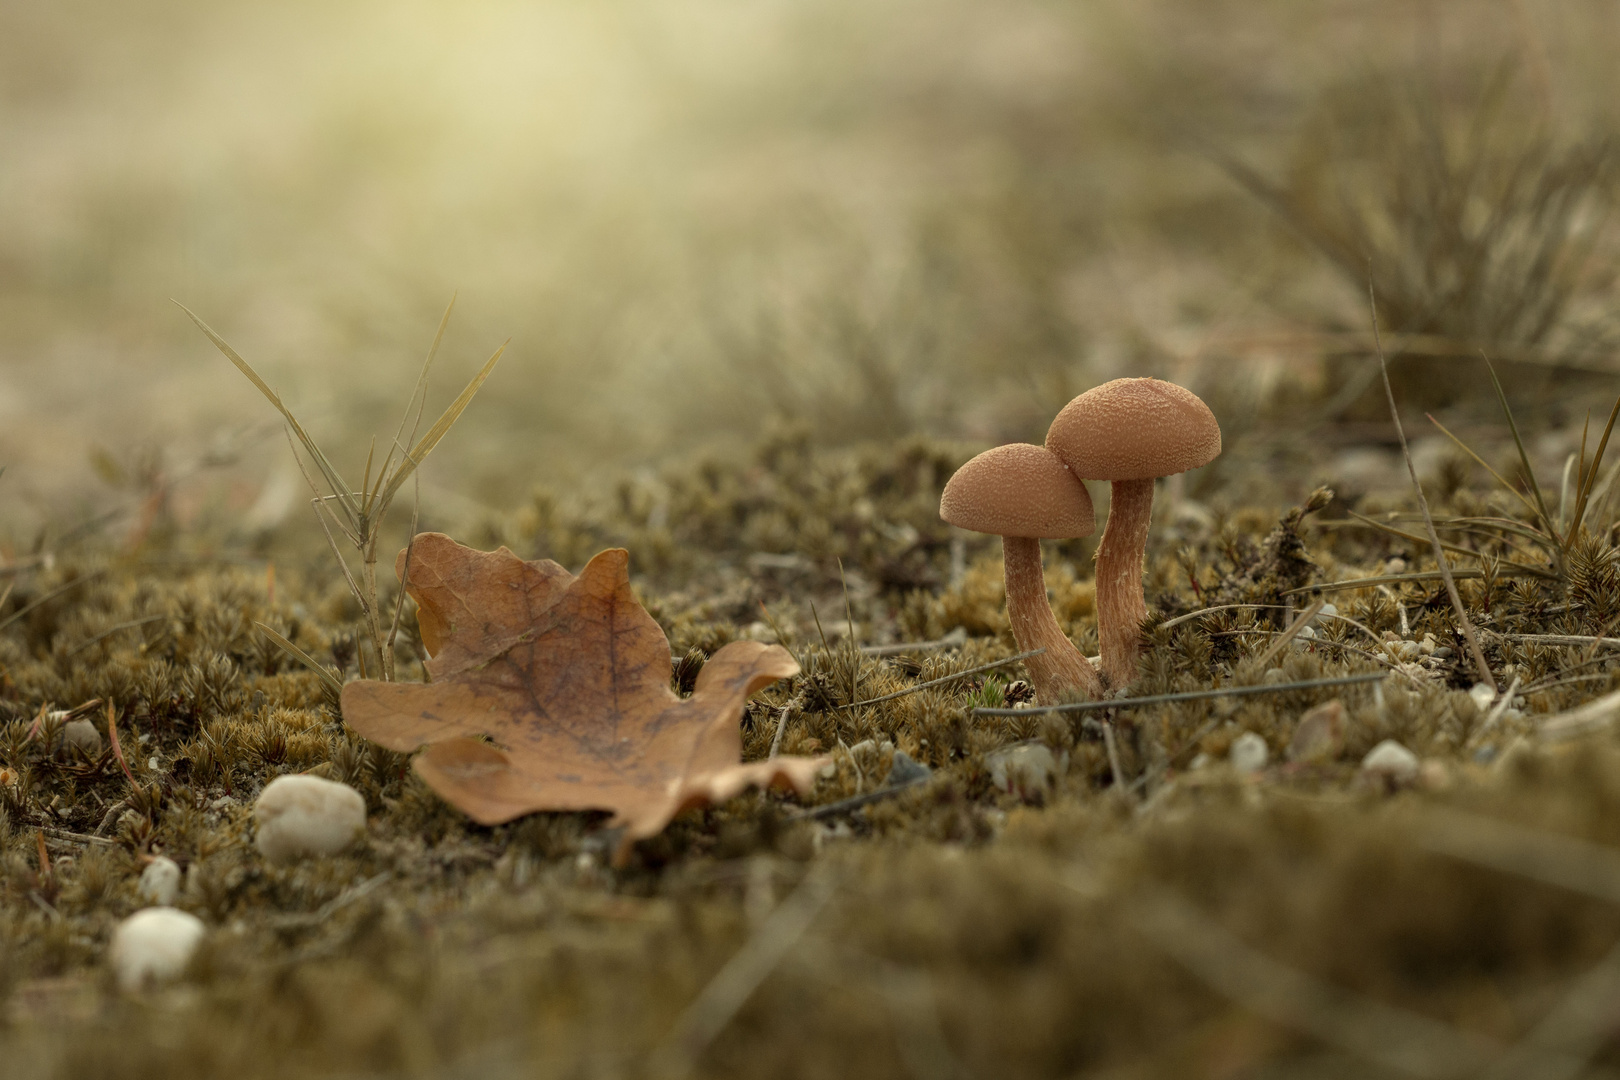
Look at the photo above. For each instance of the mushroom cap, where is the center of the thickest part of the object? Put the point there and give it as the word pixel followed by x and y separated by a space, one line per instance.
pixel 1134 429
pixel 1018 490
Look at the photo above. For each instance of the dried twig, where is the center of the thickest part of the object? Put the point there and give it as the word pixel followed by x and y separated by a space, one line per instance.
pixel 942 680
pixel 1191 695
pixel 953 640
pixel 855 802
pixel 781 726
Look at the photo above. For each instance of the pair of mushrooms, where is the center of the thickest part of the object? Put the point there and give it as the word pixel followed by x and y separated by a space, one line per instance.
pixel 1129 432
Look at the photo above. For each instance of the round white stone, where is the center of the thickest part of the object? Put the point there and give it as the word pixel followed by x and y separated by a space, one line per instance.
pixel 299 816
pixel 82 734
pixel 153 946
pixel 1248 753
pixel 1392 760
pixel 160 882
pixel 1482 695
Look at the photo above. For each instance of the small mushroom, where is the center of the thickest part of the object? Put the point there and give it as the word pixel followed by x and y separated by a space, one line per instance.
pixel 1130 432
pixel 1024 494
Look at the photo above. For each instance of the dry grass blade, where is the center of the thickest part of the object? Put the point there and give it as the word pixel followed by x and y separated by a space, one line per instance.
pixel 1401 1041
pixel 1595 715
pixel 1291 632
pixel 303 657
pixel 1583 867
pixel 335 481
pixel 1464 624
pixel 736 982
pixel 1506 570
pixel 48 597
pixel 1201 612
pixel 440 428
pixel 1589 478
pixel 1455 549
pixel 1498 477
pixel 1524 457
pixel 1571 1034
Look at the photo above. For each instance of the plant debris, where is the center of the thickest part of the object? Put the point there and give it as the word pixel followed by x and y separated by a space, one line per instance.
pixel 572 677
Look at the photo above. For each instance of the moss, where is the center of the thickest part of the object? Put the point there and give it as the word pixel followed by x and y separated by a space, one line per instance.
pixel 998 932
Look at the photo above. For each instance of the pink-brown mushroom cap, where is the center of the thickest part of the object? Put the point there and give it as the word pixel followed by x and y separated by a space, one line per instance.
pixel 1018 490
pixel 1134 429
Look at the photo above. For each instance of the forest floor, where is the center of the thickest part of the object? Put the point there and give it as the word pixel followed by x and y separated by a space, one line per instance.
pixel 1133 891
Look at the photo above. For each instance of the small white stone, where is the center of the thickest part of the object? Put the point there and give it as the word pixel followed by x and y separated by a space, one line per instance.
pixel 153 946
pixel 82 734
pixel 1483 695
pixel 1024 769
pixel 1248 753
pixel 1392 761
pixel 299 816
pixel 160 882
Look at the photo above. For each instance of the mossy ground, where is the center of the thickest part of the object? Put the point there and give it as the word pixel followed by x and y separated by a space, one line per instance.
pixel 1150 922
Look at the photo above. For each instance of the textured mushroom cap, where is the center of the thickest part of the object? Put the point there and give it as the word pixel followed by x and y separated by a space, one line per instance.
pixel 1134 429
pixel 1018 490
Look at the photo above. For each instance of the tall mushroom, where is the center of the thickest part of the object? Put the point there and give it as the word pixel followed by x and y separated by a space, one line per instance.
pixel 1023 494
pixel 1130 432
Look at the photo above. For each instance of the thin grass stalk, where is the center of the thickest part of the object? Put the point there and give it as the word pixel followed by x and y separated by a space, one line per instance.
pixel 1464 624
pixel 1524 461
pixel 359 515
pixel 1498 477
pixel 1584 499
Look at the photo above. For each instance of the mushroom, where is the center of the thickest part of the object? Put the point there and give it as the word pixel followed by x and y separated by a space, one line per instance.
pixel 1130 432
pixel 1023 493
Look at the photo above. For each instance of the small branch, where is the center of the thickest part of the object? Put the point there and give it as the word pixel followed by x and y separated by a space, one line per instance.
pixel 953 640
pixel 781 726
pixel 947 678
pixel 1194 695
pixel 855 802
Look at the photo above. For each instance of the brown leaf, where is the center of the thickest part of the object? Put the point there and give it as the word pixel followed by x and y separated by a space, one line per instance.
pixel 570 677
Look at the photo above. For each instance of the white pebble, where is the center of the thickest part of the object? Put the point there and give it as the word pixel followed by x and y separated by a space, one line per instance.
pixel 1248 753
pixel 299 816
pixel 1024 769
pixel 1392 761
pixel 1483 695
pixel 160 881
pixel 82 734
pixel 153 946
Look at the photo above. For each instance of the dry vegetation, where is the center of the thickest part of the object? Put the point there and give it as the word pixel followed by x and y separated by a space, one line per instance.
pixel 772 276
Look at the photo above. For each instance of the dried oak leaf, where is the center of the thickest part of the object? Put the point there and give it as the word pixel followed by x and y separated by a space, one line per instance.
pixel 571 678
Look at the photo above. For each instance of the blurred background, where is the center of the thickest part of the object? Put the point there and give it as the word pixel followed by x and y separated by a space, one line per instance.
pixel 701 221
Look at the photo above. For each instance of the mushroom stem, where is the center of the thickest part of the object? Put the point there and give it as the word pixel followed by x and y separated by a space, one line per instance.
pixel 1061 668
pixel 1120 604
